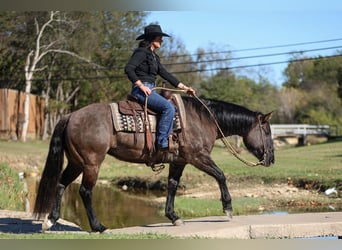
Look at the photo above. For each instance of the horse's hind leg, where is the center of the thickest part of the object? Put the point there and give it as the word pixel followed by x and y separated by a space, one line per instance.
pixel 69 175
pixel 175 173
pixel 90 174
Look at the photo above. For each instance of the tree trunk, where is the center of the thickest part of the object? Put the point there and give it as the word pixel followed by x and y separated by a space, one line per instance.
pixel 46 115
pixel 26 111
pixel 28 83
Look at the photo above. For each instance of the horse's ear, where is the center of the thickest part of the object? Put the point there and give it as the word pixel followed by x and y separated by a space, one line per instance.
pixel 267 117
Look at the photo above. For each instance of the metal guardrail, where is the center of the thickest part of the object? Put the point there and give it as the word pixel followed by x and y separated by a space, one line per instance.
pixel 299 130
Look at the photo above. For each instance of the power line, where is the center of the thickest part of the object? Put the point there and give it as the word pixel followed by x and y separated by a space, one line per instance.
pixel 256 56
pixel 117 77
pixel 247 49
pixel 120 76
pixel 254 65
pixel 209 61
pixel 260 48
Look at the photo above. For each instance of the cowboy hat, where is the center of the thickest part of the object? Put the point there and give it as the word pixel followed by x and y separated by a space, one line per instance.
pixel 152 30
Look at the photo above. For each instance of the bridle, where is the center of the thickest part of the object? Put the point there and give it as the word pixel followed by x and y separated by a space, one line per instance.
pixel 223 138
pixel 230 147
pixel 263 140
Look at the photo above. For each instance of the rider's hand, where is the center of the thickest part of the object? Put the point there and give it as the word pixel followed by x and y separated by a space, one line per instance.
pixel 191 91
pixel 147 91
pixel 188 90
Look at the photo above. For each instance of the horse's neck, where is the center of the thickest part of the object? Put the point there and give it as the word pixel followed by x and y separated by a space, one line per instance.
pixel 235 123
pixel 232 119
pixel 235 128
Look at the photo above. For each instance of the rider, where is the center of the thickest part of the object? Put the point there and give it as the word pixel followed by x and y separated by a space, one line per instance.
pixel 142 70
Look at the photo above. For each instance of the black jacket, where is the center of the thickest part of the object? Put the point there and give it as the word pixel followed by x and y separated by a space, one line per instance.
pixel 145 65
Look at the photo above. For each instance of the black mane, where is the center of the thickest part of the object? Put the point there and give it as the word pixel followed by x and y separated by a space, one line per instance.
pixel 232 118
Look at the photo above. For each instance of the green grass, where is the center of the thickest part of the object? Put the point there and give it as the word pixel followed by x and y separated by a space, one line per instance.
pixel 11 189
pixel 198 207
pixel 322 162
pixel 319 165
pixel 88 236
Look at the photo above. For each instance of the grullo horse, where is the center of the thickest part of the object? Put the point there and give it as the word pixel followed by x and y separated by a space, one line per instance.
pixel 87 135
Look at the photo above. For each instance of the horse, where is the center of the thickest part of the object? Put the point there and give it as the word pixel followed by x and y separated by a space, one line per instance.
pixel 87 135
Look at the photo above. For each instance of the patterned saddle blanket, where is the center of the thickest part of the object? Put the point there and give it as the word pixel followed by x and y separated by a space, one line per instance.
pixel 129 116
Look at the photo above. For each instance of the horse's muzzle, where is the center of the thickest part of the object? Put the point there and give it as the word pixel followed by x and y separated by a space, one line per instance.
pixel 269 162
pixel 268 159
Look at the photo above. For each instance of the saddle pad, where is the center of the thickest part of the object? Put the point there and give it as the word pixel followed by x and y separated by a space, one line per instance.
pixel 130 123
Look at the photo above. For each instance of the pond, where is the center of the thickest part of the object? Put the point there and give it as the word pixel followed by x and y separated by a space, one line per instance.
pixel 114 208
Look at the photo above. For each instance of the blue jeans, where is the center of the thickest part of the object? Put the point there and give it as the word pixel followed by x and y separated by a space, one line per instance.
pixel 162 107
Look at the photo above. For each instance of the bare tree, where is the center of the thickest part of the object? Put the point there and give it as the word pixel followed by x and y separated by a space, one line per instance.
pixel 44 47
pixel 289 99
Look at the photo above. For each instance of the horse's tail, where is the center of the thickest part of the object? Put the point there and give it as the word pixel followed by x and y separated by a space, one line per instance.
pixel 46 195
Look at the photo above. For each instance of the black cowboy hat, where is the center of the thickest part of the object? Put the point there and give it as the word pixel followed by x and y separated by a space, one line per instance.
pixel 152 30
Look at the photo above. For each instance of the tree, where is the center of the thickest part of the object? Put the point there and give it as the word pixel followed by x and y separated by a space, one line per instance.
pixel 110 37
pixel 58 48
pixel 318 82
pixel 290 99
pixel 51 38
pixel 241 90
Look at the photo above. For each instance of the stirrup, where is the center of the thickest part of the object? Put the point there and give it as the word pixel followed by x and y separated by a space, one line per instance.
pixel 157 167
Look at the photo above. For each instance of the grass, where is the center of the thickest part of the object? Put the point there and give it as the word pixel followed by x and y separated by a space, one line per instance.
pixel 320 162
pixel 198 207
pixel 317 166
pixel 89 236
pixel 11 189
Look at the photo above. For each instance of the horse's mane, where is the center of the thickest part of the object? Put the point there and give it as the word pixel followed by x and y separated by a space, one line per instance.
pixel 231 117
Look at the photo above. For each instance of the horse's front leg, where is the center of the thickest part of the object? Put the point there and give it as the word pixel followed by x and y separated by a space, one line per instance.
pixel 175 173
pixel 207 165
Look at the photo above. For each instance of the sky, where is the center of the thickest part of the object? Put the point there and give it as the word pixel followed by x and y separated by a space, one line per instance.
pixel 255 26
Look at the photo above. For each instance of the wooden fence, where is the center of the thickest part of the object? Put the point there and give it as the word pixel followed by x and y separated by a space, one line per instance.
pixel 12 114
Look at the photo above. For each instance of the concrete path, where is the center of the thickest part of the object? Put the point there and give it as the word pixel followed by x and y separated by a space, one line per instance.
pixel 18 222
pixel 250 227
pixel 241 227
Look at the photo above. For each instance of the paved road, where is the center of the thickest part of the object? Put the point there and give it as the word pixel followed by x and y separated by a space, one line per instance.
pixel 21 222
pixel 241 227
pixel 251 227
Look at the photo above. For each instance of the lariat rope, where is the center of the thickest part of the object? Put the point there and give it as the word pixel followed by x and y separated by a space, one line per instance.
pixel 223 138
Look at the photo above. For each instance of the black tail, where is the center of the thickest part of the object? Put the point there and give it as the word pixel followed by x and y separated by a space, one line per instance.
pixel 46 195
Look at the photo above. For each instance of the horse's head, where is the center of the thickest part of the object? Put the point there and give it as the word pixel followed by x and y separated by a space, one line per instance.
pixel 259 140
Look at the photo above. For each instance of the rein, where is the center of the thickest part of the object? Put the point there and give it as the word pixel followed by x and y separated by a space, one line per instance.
pixel 226 142
pixel 223 139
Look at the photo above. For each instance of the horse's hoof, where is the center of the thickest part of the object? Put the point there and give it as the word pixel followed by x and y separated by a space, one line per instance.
pixel 229 214
pixel 178 222
pixel 106 231
pixel 47 224
pixel 98 229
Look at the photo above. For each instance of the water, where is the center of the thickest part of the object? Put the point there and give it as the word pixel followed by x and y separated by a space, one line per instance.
pixel 117 209
pixel 113 207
